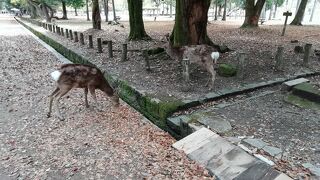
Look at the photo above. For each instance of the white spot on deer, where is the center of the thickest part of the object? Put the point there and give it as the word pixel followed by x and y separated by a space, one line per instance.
pixel 215 56
pixel 55 75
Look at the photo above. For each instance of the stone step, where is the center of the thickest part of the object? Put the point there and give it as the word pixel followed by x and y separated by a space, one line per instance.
pixel 225 160
pixel 307 91
pixel 288 85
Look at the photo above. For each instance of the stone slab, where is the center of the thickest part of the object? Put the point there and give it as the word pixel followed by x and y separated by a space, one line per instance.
pixel 313 169
pixel 257 172
pixel 232 164
pixel 307 91
pixel 194 140
pixel 257 143
pixel 295 82
pixel 217 124
pixel 283 177
pixel 272 151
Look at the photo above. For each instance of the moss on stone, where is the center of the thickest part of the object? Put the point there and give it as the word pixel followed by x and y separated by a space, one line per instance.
pixel 301 102
pixel 227 70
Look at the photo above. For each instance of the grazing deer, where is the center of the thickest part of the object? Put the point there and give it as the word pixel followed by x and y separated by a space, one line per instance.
pixel 203 55
pixel 71 76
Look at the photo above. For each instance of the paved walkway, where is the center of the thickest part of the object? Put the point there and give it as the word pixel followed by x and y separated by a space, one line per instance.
pixel 116 143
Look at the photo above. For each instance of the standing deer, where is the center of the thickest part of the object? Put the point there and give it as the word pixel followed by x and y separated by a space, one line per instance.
pixel 203 55
pixel 71 76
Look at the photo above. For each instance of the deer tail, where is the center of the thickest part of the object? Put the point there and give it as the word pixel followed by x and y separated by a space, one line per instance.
pixel 55 75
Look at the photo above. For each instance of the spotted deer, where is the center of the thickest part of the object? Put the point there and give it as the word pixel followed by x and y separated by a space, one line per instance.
pixel 70 76
pixel 203 55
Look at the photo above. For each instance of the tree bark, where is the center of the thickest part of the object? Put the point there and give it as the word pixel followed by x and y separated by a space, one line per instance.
pixel 313 9
pixel 190 23
pixel 300 13
pixel 275 9
pixel 75 12
pixel 271 9
pixel 253 12
pixel 216 11
pixel 224 17
pixel 87 8
pixel 137 31
pixel 106 9
pixel 96 18
pixel 114 11
pixel 64 10
pixel 33 9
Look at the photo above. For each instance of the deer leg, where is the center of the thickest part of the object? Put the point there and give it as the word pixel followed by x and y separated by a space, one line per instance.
pixel 93 94
pixel 86 97
pixel 51 100
pixel 61 93
pixel 213 76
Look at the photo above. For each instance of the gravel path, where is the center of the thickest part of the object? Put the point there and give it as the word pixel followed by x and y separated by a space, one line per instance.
pixel 116 143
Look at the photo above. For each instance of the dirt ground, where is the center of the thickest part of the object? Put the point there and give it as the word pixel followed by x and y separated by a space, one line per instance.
pixel 260 45
pixel 115 143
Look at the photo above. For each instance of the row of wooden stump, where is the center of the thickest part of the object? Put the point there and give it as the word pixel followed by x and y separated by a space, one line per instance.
pixel 79 37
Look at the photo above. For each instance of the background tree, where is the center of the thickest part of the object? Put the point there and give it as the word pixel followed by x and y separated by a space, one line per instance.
pixel 87 10
pixel 96 18
pixel 137 31
pixel 253 11
pixel 300 13
pixel 190 23
pixel 76 4
pixel 224 17
pixel 64 9
pixel 106 9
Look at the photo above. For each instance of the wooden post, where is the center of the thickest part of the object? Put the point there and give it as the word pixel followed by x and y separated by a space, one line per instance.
pixel 306 57
pixel 99 42
pixel 57 30
pixel 241 65
pixel 71 35
pixel 279 59
pixel 62 32
pixel 76 39
pixel 186 73
pixel 67 33
pixel 285 22
pixel 81 39
pixel 124 52
pixel 90 41
pixel 110 49
pixel 50 27
pixel 146 59
pixel 53 28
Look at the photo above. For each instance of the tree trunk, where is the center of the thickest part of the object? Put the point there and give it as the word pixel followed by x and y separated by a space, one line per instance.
pixel 137 31
pixel 216 11
pixel 253 12
pixel 87 8
pixel 219 12
pixel 64 10
pixel 171 8
pixel 190 23
pixel 96 18
pixel 33 9
pixel 313 9
pixel 114 11
pixel 45 11
pixel 75 12
pixel 106 9
pixel 275 9
pixel 300 13
pixel 271 8
pixel 224 18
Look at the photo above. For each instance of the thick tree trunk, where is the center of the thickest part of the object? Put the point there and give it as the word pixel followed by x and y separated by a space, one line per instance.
pixel 300 13
pixel 224 17
pixel 191 23
pixel 137 31
pixel 75 12
pixel 253 12
pixel 33 10
pixel 87 9
pixel 64 10
pixel 96 18
pixel 106 9
pixel 114 11
pixel 45 11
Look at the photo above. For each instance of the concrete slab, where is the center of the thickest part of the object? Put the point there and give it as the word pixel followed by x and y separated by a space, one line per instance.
pixel 217 124
pixel 295 82
pixel 257 172
pixel 272 151
pixel 257 143
pixel 283 177
pixel 232 164
pixel 313 169
pixel 194 140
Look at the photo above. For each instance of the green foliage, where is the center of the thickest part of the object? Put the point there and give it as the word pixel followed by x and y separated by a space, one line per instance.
pixel 227 70
pixel 75 3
